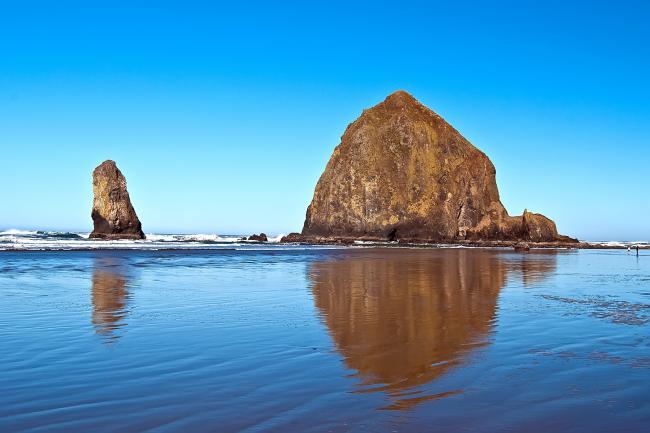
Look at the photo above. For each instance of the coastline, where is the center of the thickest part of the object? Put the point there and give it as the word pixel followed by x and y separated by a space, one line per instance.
pixel 568 243
pixel 35 240
pixel 292 246
pixel 480 244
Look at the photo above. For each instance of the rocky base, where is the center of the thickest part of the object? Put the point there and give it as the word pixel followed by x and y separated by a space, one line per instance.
pixel 116 236
pixel 564 243
pixel 521 246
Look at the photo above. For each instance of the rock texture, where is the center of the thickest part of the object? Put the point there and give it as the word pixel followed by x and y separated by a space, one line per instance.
pixel 402 173
pixel 293 238
pixel 113 215
pixel 258 238
pixel 521 246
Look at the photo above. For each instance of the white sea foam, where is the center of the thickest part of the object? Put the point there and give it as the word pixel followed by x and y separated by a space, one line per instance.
pixel 49 240
pixel 276 239
pixel 18 232
pixel 375 242
pixel 160 238
pixel 210 238
pixel 618 244
pixel 199 237
pixel 15 239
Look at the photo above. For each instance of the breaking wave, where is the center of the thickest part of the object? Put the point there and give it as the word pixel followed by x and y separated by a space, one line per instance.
pixel 14 239
pixel 193 238
pixel 15 232
pixel 620 244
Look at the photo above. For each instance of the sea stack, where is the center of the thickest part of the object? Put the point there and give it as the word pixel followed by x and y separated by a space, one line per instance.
pixel 113 214
pixel 402 173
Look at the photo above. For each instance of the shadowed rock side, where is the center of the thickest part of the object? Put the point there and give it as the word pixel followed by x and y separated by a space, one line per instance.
pixel 113 215
pixel 401 172
pixel 403 318
pixel 258 238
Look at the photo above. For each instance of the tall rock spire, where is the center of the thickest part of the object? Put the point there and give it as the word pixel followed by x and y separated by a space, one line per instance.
pixel 113 214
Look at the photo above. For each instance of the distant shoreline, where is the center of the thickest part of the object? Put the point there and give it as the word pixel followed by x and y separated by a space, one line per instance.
pixel 614 245
pixel 38 240
pixel 262 246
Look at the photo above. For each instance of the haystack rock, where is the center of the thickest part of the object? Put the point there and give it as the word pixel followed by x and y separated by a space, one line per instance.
pixel 401 172
pixel 113 214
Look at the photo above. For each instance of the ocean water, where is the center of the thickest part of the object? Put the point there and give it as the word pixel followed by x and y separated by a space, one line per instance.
pixel 312 339
pixel 38 240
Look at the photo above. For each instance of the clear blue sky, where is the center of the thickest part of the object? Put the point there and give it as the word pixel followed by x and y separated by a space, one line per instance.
pixel 222 117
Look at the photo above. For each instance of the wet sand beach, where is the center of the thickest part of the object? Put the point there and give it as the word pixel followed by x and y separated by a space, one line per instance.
pixel 324 340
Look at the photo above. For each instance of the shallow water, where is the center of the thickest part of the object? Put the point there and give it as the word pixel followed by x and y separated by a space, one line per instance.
pixel 320 340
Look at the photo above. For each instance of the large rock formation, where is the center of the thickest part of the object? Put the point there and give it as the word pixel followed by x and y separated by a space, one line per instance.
pixel 113 215
pixel 401 172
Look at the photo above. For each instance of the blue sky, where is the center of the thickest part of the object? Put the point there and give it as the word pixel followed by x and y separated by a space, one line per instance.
pixel 222 117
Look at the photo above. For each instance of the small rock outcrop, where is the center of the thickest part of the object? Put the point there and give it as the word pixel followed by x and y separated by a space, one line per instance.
pixel 293 238
pixel 259 238
pixel 402 173
pixel 538 228
pixel 521 246
pixel 113 214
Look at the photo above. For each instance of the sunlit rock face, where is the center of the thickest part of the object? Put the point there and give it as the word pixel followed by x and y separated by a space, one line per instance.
pixel 401 172
pixel 113 214
pixel 403 319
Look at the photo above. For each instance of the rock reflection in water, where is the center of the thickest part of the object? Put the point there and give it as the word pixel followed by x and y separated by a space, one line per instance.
pixel 402 318
pixel 110 297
